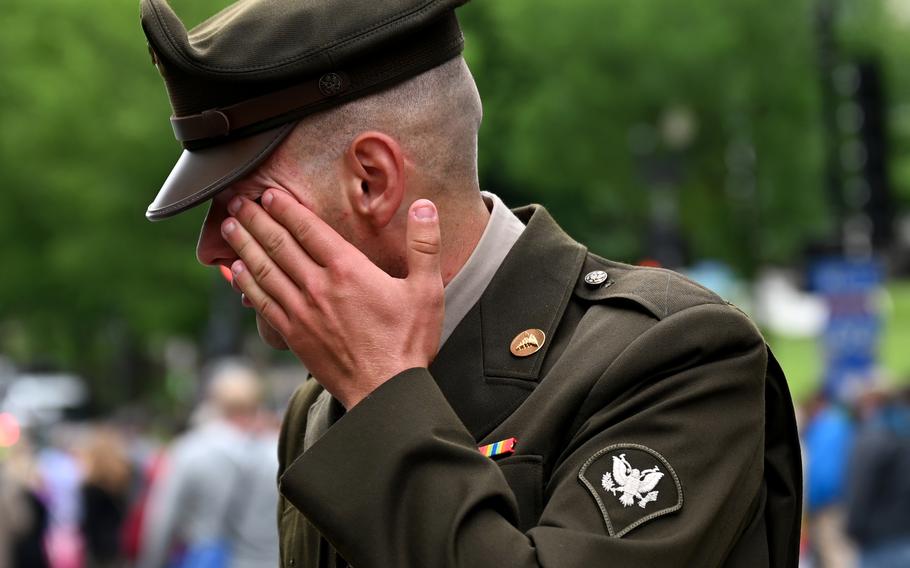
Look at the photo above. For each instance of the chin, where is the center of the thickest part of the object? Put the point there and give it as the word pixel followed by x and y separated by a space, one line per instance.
pixel 268 334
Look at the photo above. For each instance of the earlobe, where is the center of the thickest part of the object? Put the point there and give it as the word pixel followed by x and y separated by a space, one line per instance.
pixel 375 163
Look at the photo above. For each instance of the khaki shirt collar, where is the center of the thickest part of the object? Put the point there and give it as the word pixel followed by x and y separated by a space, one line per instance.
pixel 463 291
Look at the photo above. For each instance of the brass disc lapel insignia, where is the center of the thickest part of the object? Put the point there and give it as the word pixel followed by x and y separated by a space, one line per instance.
pixel 528 342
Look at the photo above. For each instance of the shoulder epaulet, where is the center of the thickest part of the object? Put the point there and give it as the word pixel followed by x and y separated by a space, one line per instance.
pixel 660 291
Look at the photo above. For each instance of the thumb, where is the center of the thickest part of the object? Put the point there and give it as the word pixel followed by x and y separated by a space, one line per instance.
pixel 423 240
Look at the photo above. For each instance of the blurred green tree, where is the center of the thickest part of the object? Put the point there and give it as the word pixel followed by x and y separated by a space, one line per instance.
pixel 601 108
pixel 879 30
pixel 84 144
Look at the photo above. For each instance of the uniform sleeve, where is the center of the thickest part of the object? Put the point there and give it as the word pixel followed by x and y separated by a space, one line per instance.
pixel 399 481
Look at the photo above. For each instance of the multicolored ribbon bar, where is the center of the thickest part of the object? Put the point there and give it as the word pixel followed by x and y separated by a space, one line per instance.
pixel 500 448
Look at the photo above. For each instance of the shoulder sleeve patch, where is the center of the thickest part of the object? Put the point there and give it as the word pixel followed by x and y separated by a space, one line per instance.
pixel 631 484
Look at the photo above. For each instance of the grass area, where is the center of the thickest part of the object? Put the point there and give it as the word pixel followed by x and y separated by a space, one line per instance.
pixel 801 359
pixel 896 343
pixel 802 362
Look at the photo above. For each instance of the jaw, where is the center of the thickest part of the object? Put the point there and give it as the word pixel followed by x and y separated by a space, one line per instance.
pixel 268 334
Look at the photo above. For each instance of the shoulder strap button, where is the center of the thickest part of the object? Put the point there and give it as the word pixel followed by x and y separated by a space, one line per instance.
pixel 596 278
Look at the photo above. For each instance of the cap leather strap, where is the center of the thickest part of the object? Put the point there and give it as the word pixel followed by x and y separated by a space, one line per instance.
pixel 221 122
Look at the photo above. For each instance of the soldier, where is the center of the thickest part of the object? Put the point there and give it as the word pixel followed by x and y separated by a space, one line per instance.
pixel 484 391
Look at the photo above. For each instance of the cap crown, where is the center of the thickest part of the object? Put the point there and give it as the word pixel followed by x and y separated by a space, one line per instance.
pixel 255 47
pixel 275 39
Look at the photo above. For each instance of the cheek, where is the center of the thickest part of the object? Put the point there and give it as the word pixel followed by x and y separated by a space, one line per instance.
pixel 312 200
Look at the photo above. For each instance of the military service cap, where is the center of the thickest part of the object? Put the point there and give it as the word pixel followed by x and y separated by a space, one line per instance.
pixel 239 81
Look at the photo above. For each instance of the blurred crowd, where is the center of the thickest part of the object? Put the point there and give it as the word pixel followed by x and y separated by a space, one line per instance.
pixel 109 494
pixel 857 480
pixel 106 494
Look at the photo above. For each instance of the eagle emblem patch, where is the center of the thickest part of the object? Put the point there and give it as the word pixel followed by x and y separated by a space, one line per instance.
pixel 631 484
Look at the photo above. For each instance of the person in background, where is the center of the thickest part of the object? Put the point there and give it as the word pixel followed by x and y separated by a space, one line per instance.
pixel 215 500
pixel 23 516
pixel 14 516
pixel 147 468
pixel 104 492
pixel 827 439
pixel 61 478
pixel 878 483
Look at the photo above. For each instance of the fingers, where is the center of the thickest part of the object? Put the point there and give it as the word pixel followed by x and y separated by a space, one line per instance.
pixel 262 281
pixel 258 298
pixel 423 241
pixel 274 239
pixel 317 238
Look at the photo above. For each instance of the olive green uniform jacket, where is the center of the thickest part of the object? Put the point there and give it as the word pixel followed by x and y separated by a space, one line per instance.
pixel 654 429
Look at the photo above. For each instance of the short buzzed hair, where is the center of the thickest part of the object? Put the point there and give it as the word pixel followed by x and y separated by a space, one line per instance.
pixel 435 116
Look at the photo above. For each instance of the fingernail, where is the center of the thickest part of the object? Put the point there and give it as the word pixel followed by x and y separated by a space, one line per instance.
pixel 425 212
pixel 234 205
pixel 229 227
pixel 267 198
pixel 237 267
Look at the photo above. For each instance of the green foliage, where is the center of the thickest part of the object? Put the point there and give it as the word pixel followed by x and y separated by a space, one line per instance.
pixel 84 146
pixel 880 30
pixel 579 97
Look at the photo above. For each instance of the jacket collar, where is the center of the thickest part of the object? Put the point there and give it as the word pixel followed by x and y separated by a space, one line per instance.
pixel 475 369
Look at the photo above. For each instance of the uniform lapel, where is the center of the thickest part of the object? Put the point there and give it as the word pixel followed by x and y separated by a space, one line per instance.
pixel 483 382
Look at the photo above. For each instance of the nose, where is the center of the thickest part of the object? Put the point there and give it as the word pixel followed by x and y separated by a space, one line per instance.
pixel 212 249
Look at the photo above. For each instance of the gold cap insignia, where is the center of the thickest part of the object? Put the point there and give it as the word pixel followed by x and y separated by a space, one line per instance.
pixel 528 342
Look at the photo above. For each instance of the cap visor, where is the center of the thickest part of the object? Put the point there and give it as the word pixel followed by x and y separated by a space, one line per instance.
pixel 200 174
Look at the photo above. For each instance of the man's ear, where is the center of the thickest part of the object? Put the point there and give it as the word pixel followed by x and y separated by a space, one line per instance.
pixel 375 180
